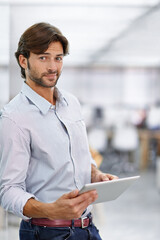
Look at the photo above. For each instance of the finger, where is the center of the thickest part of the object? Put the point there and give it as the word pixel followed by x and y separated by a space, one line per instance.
pixel 112 177
pixel 107 177
pixel 104 177
pixel 82 201
pixel 72 194
pixel 87 197
pixel 85 202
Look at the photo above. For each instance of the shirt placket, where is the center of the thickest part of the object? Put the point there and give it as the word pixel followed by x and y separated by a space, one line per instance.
pixel 71 141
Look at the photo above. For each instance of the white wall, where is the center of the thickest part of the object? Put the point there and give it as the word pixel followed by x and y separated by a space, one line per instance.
pixel 4 54
pixel 134 87
pixel 98 86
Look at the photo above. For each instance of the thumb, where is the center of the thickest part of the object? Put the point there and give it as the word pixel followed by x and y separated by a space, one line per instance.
pixel 72 194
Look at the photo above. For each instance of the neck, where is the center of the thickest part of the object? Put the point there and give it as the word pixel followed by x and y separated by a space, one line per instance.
pixel 47 93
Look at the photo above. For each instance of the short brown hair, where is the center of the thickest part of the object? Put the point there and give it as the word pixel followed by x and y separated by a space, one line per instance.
pixel 37 38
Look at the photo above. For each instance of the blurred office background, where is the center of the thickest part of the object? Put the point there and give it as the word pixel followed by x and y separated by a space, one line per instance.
pixel 114 70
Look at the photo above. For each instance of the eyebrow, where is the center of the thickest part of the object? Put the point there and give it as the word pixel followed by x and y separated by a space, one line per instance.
pixel 59 55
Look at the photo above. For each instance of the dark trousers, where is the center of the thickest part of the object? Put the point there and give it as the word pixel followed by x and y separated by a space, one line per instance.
pixel 29 231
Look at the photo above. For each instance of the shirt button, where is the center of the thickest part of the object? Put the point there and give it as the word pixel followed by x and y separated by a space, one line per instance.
pixel 52 107
pixel 77 181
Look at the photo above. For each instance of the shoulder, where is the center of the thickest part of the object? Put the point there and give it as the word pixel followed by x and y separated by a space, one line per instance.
pixel 69 97
pixel 14 109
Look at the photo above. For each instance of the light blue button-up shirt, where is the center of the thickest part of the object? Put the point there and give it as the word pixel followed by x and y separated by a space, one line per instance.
pixel 44 151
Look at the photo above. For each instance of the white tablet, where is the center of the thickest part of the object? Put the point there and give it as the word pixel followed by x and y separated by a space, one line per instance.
pixel 109 190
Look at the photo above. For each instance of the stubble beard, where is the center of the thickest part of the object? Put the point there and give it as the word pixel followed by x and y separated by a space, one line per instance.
pixel 39 80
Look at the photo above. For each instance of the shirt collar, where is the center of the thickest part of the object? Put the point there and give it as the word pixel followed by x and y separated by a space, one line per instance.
pixel 41 103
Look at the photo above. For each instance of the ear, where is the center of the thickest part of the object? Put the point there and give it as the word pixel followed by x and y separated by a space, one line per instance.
pixel 23 61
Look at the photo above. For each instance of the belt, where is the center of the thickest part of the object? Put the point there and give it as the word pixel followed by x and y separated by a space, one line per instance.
pixel 81 222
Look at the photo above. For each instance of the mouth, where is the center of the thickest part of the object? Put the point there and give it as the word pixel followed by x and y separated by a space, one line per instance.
pixel 51 75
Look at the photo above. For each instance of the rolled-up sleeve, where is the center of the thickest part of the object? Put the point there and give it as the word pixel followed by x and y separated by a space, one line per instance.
pixel 14 162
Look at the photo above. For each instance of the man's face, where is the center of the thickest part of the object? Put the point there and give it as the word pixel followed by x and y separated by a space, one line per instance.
pixel 45 69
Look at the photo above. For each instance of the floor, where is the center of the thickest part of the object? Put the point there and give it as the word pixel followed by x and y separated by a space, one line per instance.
pixel 135 215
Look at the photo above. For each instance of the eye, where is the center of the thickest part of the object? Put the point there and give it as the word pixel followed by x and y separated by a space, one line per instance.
pixel 43 58
pixel 59 59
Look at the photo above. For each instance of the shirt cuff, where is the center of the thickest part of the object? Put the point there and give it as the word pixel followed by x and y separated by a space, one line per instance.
pixel 19 212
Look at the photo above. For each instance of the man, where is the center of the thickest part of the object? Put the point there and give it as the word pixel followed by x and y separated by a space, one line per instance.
pixel 44 154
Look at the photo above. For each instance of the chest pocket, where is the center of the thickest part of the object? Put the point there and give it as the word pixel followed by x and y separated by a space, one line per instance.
pixel 78 135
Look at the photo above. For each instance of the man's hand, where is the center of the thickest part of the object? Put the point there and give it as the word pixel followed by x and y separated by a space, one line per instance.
pixel 69 206
pixel 98 176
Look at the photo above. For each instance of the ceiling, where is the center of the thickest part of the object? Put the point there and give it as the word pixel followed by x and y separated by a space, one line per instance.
pixel 100 32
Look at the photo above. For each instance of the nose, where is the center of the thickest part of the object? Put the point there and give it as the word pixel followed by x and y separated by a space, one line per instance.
pixel 52 66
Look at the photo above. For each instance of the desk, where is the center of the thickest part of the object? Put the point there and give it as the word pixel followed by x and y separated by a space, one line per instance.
pixel 2 219
pixel 145 136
